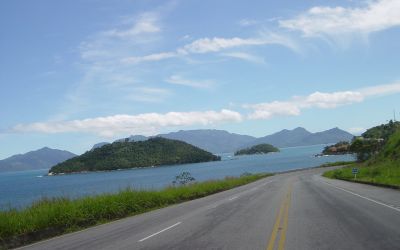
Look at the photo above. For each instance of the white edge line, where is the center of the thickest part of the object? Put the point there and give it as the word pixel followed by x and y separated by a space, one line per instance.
pixel 369 199
pixel 232 198
pixel 165 229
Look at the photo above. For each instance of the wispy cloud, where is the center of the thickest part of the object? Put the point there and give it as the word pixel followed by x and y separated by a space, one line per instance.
pixel 148 123
pixel 373 16
pixel 147 94
pixel 245 22
pixel 317 99
pixel 245 56
pixel 216 44
pixel 149 58
pixel 147 22
pixel 180 80
pixel 106 78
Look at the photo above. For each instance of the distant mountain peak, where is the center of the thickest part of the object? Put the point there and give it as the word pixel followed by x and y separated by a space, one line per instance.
pixel 37 159
pixel 302 137
pixel 301 129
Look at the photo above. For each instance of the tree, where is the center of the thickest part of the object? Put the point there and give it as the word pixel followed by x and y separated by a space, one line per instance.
pixel 366 148
pixel 183 179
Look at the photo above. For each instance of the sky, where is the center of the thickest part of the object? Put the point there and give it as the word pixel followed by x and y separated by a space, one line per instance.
pixel 75 73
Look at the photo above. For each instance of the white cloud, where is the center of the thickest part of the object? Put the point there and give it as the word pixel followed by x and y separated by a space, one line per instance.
pixel 179 80
pixel 318 100
pixel 213 45
pixel 147 22
pixel 245 56
pixel 217 44
pixel 273 109
pixel 374 16
pixel 149 58
pixel 207 45
pixel 147 94
pixel 147 123
pixel 331 100
pixel 381 89
pixel 248 22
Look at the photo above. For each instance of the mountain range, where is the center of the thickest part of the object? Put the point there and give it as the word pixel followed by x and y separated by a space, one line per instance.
pixel 211 140
pixel 43 158
pixel 301 137
pixel 221 141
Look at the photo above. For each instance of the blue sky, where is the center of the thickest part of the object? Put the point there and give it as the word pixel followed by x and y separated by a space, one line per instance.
pixel 75 73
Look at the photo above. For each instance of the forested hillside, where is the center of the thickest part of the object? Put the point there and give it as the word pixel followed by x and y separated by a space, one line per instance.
pixel 121 155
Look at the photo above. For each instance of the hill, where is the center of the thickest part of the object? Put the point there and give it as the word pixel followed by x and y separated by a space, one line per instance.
pixel 99 145
pixel 301 137
pixel 122 155
pixel 38 159
pixel 130 139
pixel 383 131
pixel 257 149
pixel 382 168
pixel 212 140
pixel 221 141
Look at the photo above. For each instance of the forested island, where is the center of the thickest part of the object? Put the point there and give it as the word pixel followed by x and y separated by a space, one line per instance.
pixel 124 155
pixel 257 149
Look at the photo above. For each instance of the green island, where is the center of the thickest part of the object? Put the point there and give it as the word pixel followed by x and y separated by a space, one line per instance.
pixel 124 155
pixel 50 217
pixel 378 155
pixel 257 149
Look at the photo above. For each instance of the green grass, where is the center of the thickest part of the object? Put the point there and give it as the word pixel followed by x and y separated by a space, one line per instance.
pixel 385 173
pixel 50 217
pixel 382 169
pixel 336 163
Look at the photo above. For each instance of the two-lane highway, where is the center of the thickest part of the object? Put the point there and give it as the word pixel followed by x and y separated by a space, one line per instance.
pixel 297 210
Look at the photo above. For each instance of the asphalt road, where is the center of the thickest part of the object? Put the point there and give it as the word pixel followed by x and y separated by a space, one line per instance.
pixel 297 210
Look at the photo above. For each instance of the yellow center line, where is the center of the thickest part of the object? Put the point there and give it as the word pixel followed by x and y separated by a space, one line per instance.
pixel 282 240
pixel 271 242
pixel 283 212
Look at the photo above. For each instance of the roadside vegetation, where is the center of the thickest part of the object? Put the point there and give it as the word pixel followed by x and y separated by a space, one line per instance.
pixel 385 174
pixel 378 155
pixel 337 163
pixel 50 217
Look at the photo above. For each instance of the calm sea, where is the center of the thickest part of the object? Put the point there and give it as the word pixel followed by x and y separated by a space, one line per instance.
pixel 19 189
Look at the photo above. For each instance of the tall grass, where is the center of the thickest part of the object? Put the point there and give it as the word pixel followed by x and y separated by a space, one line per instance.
pixel 384 173
pixel 50 217
pixel 336 163
pixel 381 169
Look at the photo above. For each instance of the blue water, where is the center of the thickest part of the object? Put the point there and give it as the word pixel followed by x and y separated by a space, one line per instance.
pixel 18 189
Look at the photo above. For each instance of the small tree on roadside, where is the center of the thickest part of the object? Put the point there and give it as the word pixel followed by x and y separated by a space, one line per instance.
pixel 183 179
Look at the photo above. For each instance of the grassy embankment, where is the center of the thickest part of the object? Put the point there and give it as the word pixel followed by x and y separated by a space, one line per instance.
pixel 336 163
pixel 383 169
pixel 385 174
pixel 51 217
